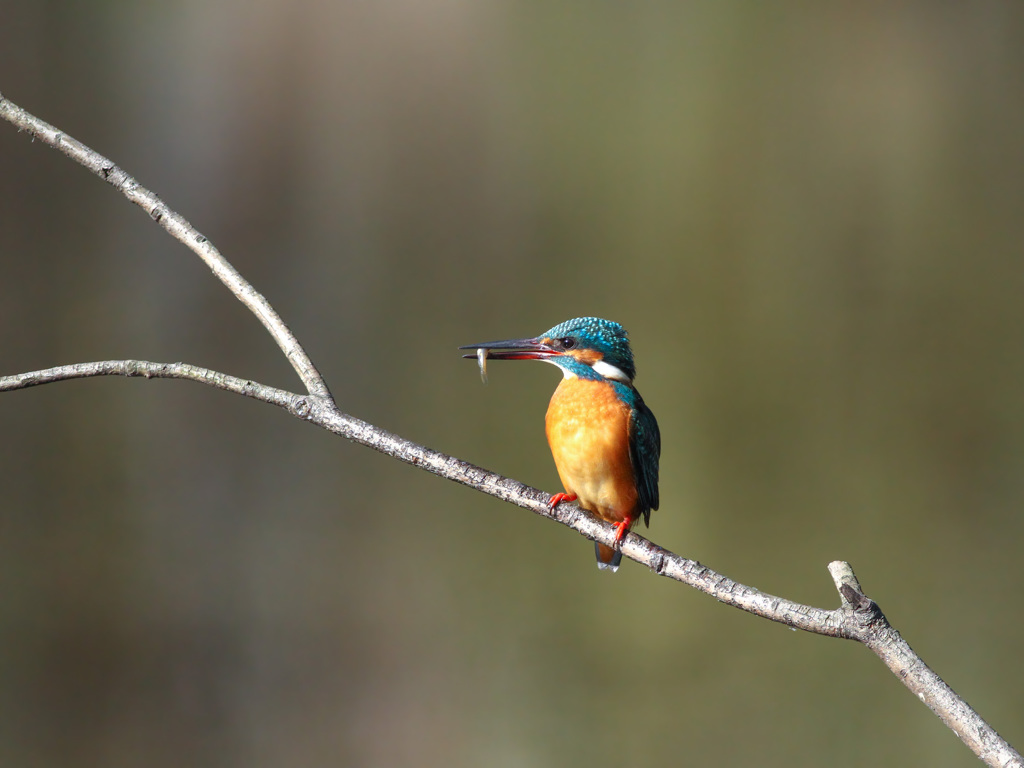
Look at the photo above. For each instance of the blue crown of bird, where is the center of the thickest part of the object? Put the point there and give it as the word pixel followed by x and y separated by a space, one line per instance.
pixel 604 439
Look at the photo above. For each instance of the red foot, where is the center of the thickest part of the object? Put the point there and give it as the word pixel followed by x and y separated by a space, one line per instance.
pixel 621 530
pixel 558 498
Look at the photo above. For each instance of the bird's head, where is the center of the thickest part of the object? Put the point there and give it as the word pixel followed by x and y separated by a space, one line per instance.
pixel 586 347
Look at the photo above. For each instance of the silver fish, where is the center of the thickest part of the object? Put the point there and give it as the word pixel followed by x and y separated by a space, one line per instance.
pixel 481 358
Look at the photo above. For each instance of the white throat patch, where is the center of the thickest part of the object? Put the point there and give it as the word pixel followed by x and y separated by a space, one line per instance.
pixel 609 371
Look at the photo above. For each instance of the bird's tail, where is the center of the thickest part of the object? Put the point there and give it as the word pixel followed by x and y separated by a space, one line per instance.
pixel 608 559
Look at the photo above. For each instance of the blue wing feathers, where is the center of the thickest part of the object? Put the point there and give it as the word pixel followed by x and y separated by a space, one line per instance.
pixel 645 453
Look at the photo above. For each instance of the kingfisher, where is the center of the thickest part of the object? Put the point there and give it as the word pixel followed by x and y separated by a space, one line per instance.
pixel 604 439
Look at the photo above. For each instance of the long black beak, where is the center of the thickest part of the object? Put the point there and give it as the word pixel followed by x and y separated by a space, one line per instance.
pixel 514 349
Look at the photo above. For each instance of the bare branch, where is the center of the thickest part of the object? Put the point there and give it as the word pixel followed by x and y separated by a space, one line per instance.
pixel 870 627
pixel 149 370
pixel 180 229
pixel 858 617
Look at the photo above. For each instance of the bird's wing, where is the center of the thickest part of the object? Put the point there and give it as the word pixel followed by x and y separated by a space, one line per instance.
pixel 644 453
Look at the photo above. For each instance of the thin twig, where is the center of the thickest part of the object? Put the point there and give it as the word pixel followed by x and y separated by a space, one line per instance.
pixel 180 229
pixel 858 617
pixel 147 370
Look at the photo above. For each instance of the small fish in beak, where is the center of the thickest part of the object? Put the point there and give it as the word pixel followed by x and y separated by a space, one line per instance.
pixel 481 358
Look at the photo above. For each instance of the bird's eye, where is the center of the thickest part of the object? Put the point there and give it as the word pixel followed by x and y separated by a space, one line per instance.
pixel 568 342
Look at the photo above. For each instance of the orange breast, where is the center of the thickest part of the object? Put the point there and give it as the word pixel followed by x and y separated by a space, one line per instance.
pixel 588 431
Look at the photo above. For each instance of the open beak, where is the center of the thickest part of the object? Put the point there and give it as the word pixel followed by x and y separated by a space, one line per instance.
pixel 514 349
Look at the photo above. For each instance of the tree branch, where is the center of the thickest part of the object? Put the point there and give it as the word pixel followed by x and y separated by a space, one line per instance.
pixel 867 624
pixel 857 618
pixel 149 370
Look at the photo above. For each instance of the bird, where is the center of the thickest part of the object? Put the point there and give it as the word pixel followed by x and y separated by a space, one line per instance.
pixel 604 439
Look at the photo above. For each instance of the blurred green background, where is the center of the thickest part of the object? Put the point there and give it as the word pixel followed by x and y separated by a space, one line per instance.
pixel 808 217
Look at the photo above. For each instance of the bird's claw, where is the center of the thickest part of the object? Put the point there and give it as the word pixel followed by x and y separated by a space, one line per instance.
pixel 558 498
pixel 621 530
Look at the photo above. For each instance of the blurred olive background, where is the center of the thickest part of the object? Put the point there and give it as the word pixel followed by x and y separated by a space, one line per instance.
pixel 808 217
